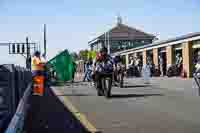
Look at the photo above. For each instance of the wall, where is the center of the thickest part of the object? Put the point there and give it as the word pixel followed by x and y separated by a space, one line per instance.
pixel 187 58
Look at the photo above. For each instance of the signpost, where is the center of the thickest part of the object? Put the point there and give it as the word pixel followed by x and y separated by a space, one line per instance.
pixel 45 46
pixel 21 48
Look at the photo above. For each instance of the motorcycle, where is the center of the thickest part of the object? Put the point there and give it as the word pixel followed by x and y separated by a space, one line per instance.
pixel 106 83
pixel 103 77
pixel 174 70
pixel 133 71
pixel 154 71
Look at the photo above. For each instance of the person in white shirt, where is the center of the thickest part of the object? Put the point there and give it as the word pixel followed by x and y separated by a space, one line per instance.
pixel 43 58
pixel 131 62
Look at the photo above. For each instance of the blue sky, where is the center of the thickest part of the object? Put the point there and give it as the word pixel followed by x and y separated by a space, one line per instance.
pixel 71 24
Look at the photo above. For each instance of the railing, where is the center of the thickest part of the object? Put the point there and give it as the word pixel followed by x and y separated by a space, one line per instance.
pixel 14 81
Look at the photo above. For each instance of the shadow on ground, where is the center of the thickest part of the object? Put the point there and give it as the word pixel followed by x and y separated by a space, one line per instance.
pixel 77 95
pixel 136 86
pixel 134 95
pixel 48 115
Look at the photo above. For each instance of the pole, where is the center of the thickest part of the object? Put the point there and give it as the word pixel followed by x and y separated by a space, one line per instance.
pixel 39 47
pixel 28 54
pixel 108 43
pixel 45 46
pixel 105 40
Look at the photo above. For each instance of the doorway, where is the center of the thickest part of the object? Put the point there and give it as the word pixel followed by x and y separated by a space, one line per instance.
pixel 177 51
pixel 149 57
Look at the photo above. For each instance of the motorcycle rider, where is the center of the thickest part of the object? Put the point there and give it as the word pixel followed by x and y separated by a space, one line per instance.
pixel 102 64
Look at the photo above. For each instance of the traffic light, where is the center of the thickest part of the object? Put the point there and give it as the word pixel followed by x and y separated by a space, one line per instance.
pixel 23 48
pixel 13 48
pixel 18 48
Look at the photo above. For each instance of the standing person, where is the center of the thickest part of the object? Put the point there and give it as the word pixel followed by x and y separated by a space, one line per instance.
pixel 179 61
pixel 37 66
pixel 88 70
pixel 196 73
pixel 161 65
pixel 146 72
pixel 86 64
pixel 131 66
pixel 43 58
pixel 74 71
pixel 45 71
pixel 89 73
pixel 140 64
pixel 131 60
pixel 137 65
pixel 150 65
pixel 117 67
pixel 38 74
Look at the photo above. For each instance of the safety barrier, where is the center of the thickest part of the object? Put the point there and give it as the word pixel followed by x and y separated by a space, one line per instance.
pixel 14 81
pixel 17 122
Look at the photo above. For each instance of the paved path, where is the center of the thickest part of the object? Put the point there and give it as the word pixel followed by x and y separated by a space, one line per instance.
pixel 184 86
pixel 159 108
pixel 48 115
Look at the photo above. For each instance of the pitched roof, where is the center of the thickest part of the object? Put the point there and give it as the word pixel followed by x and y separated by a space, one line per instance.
pixel 124 32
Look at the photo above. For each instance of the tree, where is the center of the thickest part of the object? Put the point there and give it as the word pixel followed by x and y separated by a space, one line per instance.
pixel 75 55
pixel 83 54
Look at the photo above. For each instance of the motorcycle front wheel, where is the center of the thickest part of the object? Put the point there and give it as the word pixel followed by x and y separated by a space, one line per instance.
pixel 99 91
pixel 106 85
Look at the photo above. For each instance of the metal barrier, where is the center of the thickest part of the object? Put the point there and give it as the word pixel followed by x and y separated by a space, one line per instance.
pixel 17 123
pixel 14 81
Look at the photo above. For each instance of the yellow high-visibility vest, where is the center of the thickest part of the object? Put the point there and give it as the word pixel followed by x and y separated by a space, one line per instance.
pixel 35 64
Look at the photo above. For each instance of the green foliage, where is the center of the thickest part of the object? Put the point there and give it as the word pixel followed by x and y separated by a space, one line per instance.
pixel 75 56
pixel 83 54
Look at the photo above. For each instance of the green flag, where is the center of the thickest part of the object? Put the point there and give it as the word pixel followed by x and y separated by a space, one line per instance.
pixel 62 65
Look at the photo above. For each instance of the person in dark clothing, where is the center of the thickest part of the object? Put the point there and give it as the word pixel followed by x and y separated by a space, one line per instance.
pixel 117 65
pixel 88 70
pixel 73 71
pixel 85 70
